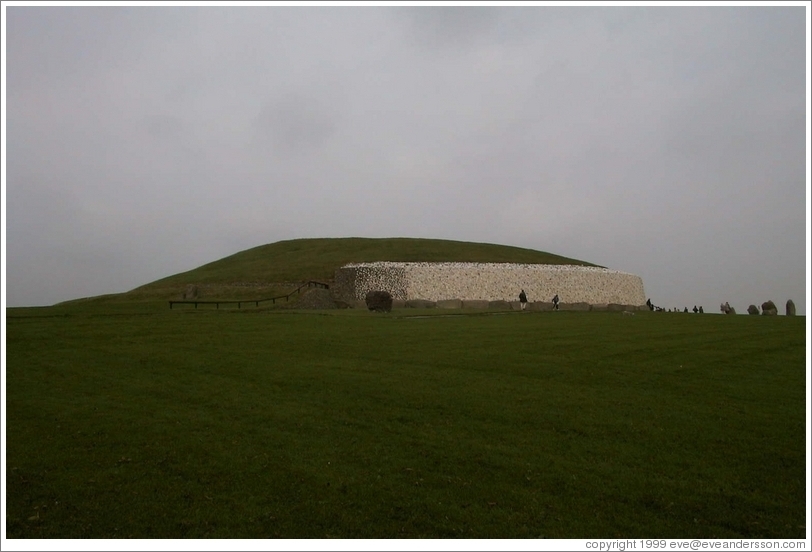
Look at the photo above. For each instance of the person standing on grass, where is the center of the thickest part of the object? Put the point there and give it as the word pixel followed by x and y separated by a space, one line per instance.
pixel 523 299
pixel 555 302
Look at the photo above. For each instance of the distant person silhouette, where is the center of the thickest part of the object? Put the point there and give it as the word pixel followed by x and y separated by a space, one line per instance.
pixel 523 299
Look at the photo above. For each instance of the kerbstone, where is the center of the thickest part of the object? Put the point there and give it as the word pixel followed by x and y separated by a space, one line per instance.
pixel 420 304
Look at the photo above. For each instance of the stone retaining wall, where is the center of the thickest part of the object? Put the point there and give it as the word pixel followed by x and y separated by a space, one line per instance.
pixel 488 282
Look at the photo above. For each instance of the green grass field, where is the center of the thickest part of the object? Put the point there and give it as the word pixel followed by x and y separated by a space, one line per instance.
pixel 131 420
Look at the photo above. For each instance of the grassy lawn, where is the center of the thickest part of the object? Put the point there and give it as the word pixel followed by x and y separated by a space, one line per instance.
pixel 137 421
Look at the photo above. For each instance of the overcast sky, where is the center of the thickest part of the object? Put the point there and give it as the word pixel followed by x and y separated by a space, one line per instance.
pixel 668 142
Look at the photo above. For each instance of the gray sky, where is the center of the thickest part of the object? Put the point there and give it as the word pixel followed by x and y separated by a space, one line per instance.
pixel 668 142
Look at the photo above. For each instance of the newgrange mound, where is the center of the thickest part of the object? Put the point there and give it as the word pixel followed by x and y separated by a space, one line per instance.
pixel 280 267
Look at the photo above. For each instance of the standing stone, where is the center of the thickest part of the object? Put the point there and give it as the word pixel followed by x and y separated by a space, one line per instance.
pixel 768 308
pixel 191 292
pixel 790 308
pixel 752 309
pixel 379 301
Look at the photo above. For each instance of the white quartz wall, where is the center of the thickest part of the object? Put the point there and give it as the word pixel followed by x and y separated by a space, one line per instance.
pixel 491 282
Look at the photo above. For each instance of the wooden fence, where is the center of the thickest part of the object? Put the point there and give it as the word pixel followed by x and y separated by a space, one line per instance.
pixel 256 302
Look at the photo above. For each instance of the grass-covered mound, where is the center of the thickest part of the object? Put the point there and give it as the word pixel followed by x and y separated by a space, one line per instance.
pixel 268 270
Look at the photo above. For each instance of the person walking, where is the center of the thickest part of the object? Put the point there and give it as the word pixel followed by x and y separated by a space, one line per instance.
pixel 555 302
pixel 523 299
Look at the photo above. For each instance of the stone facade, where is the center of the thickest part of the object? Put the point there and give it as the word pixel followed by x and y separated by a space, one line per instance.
pixel 489 282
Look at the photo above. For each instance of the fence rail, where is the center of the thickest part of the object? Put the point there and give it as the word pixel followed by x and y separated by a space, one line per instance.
pixel 273 300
